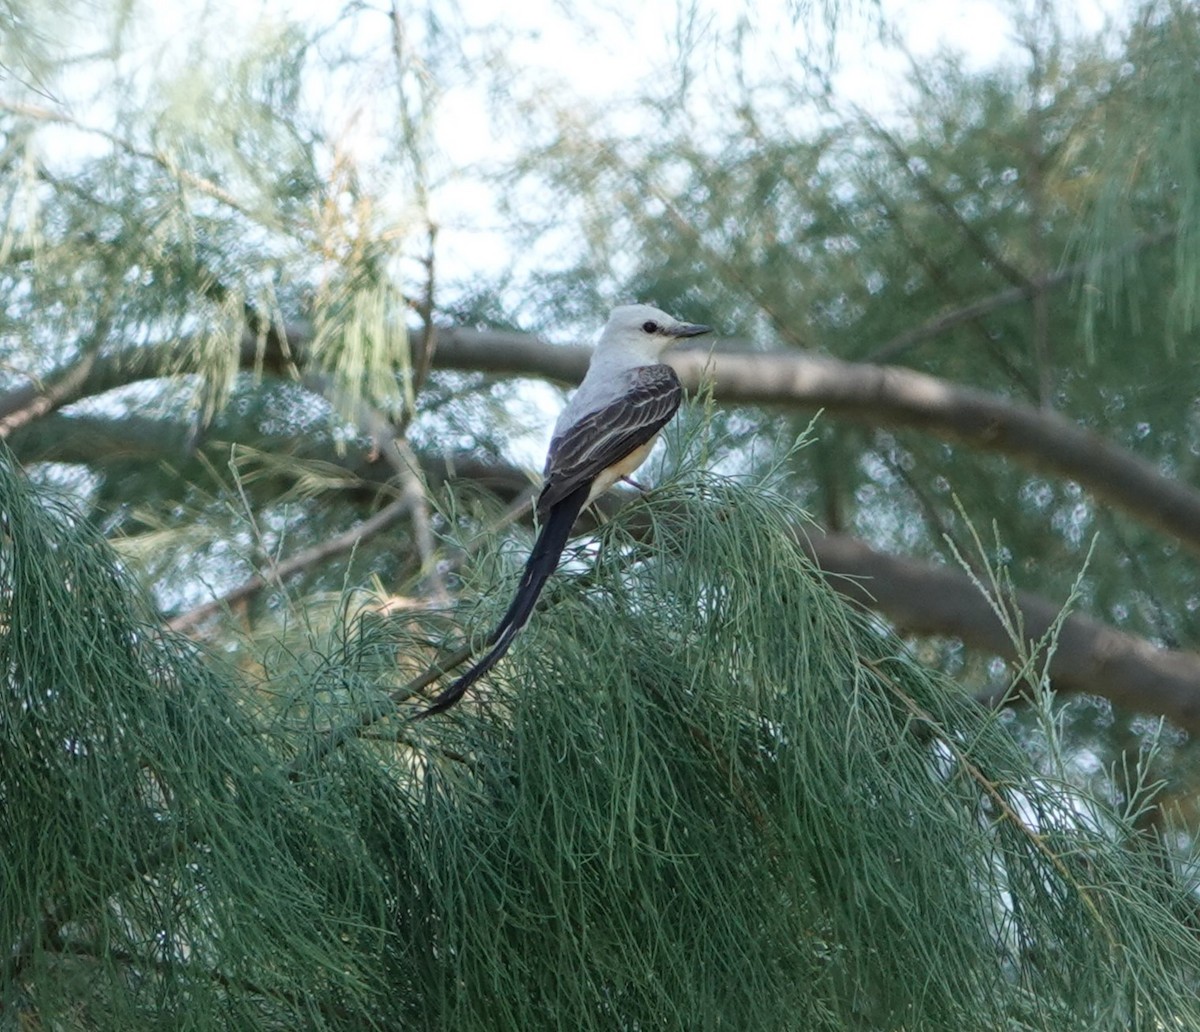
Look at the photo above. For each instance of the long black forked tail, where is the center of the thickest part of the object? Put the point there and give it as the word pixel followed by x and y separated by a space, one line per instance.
pixel 542 562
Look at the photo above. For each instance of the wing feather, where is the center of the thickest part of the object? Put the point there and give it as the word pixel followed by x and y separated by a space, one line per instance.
pixel 608 434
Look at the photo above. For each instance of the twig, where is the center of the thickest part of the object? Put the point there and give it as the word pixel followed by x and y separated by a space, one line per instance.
pixel 42 397
pixel 371 715
pixel 727 268
pixel 405 61
pixel 935 327
pixel 935 196
pixel 412 487
pixel 940 529
pixel 343 542
pixel 992 791
pixel 206 186
pixel 425 311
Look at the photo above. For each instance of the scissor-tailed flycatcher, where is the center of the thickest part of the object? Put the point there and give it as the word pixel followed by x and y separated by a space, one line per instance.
pixel 604 433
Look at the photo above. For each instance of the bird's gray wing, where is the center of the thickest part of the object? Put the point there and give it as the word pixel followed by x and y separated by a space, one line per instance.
pixel 608 434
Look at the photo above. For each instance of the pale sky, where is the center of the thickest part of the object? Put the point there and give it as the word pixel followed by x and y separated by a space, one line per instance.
pixel 600 53
pixel 603 56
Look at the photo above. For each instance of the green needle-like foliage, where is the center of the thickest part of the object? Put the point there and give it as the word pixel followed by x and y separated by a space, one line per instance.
pixel 699 793
pixel 157 870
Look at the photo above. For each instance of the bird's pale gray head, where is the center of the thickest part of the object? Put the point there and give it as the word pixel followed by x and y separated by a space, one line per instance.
pixel 644 329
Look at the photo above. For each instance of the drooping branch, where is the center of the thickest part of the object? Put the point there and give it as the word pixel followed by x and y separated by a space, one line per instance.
pixel 119 368
pixel 303 560
pixel 904 341
pixel 35 400
pixel 886 396
pixel 871 394
pixel 183 176
pixel 1091 657
pixel 41 397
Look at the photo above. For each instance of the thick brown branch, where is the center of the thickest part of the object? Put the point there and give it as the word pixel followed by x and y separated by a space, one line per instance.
pixel 925 599
pixel 888 396
pixel 870 394
pixel 1091 658
pixel 920 598
pixel 33 401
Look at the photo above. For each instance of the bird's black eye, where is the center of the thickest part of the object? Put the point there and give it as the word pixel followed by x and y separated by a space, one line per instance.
pixel 650 326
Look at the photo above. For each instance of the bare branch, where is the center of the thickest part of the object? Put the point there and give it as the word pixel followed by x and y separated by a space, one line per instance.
pixel 1091 658
pixel 869 394
pixel 163 161
pixel 301 561
pixel 939 200
pixel 413 493
pixel 39 398
pixel 883 396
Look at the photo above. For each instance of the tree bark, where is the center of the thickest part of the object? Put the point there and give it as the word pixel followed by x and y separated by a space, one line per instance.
pixel 919 598
pixel 1091 658
pixel 883 396
pixel 871 394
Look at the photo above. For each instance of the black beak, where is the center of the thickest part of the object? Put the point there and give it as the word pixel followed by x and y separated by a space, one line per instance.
pixel 687 329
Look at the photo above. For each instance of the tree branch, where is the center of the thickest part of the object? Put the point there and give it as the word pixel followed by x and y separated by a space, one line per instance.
pixel 1091 658
pixel 869 394
pixel 919 597
pixel 107 372
pixel 39 398
pixel 887 396
pixel 922 598
pixel 162 160
pixel 939 200
pixel 304 560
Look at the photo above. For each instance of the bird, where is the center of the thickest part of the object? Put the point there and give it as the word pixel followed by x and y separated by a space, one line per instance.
pixel 604 432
